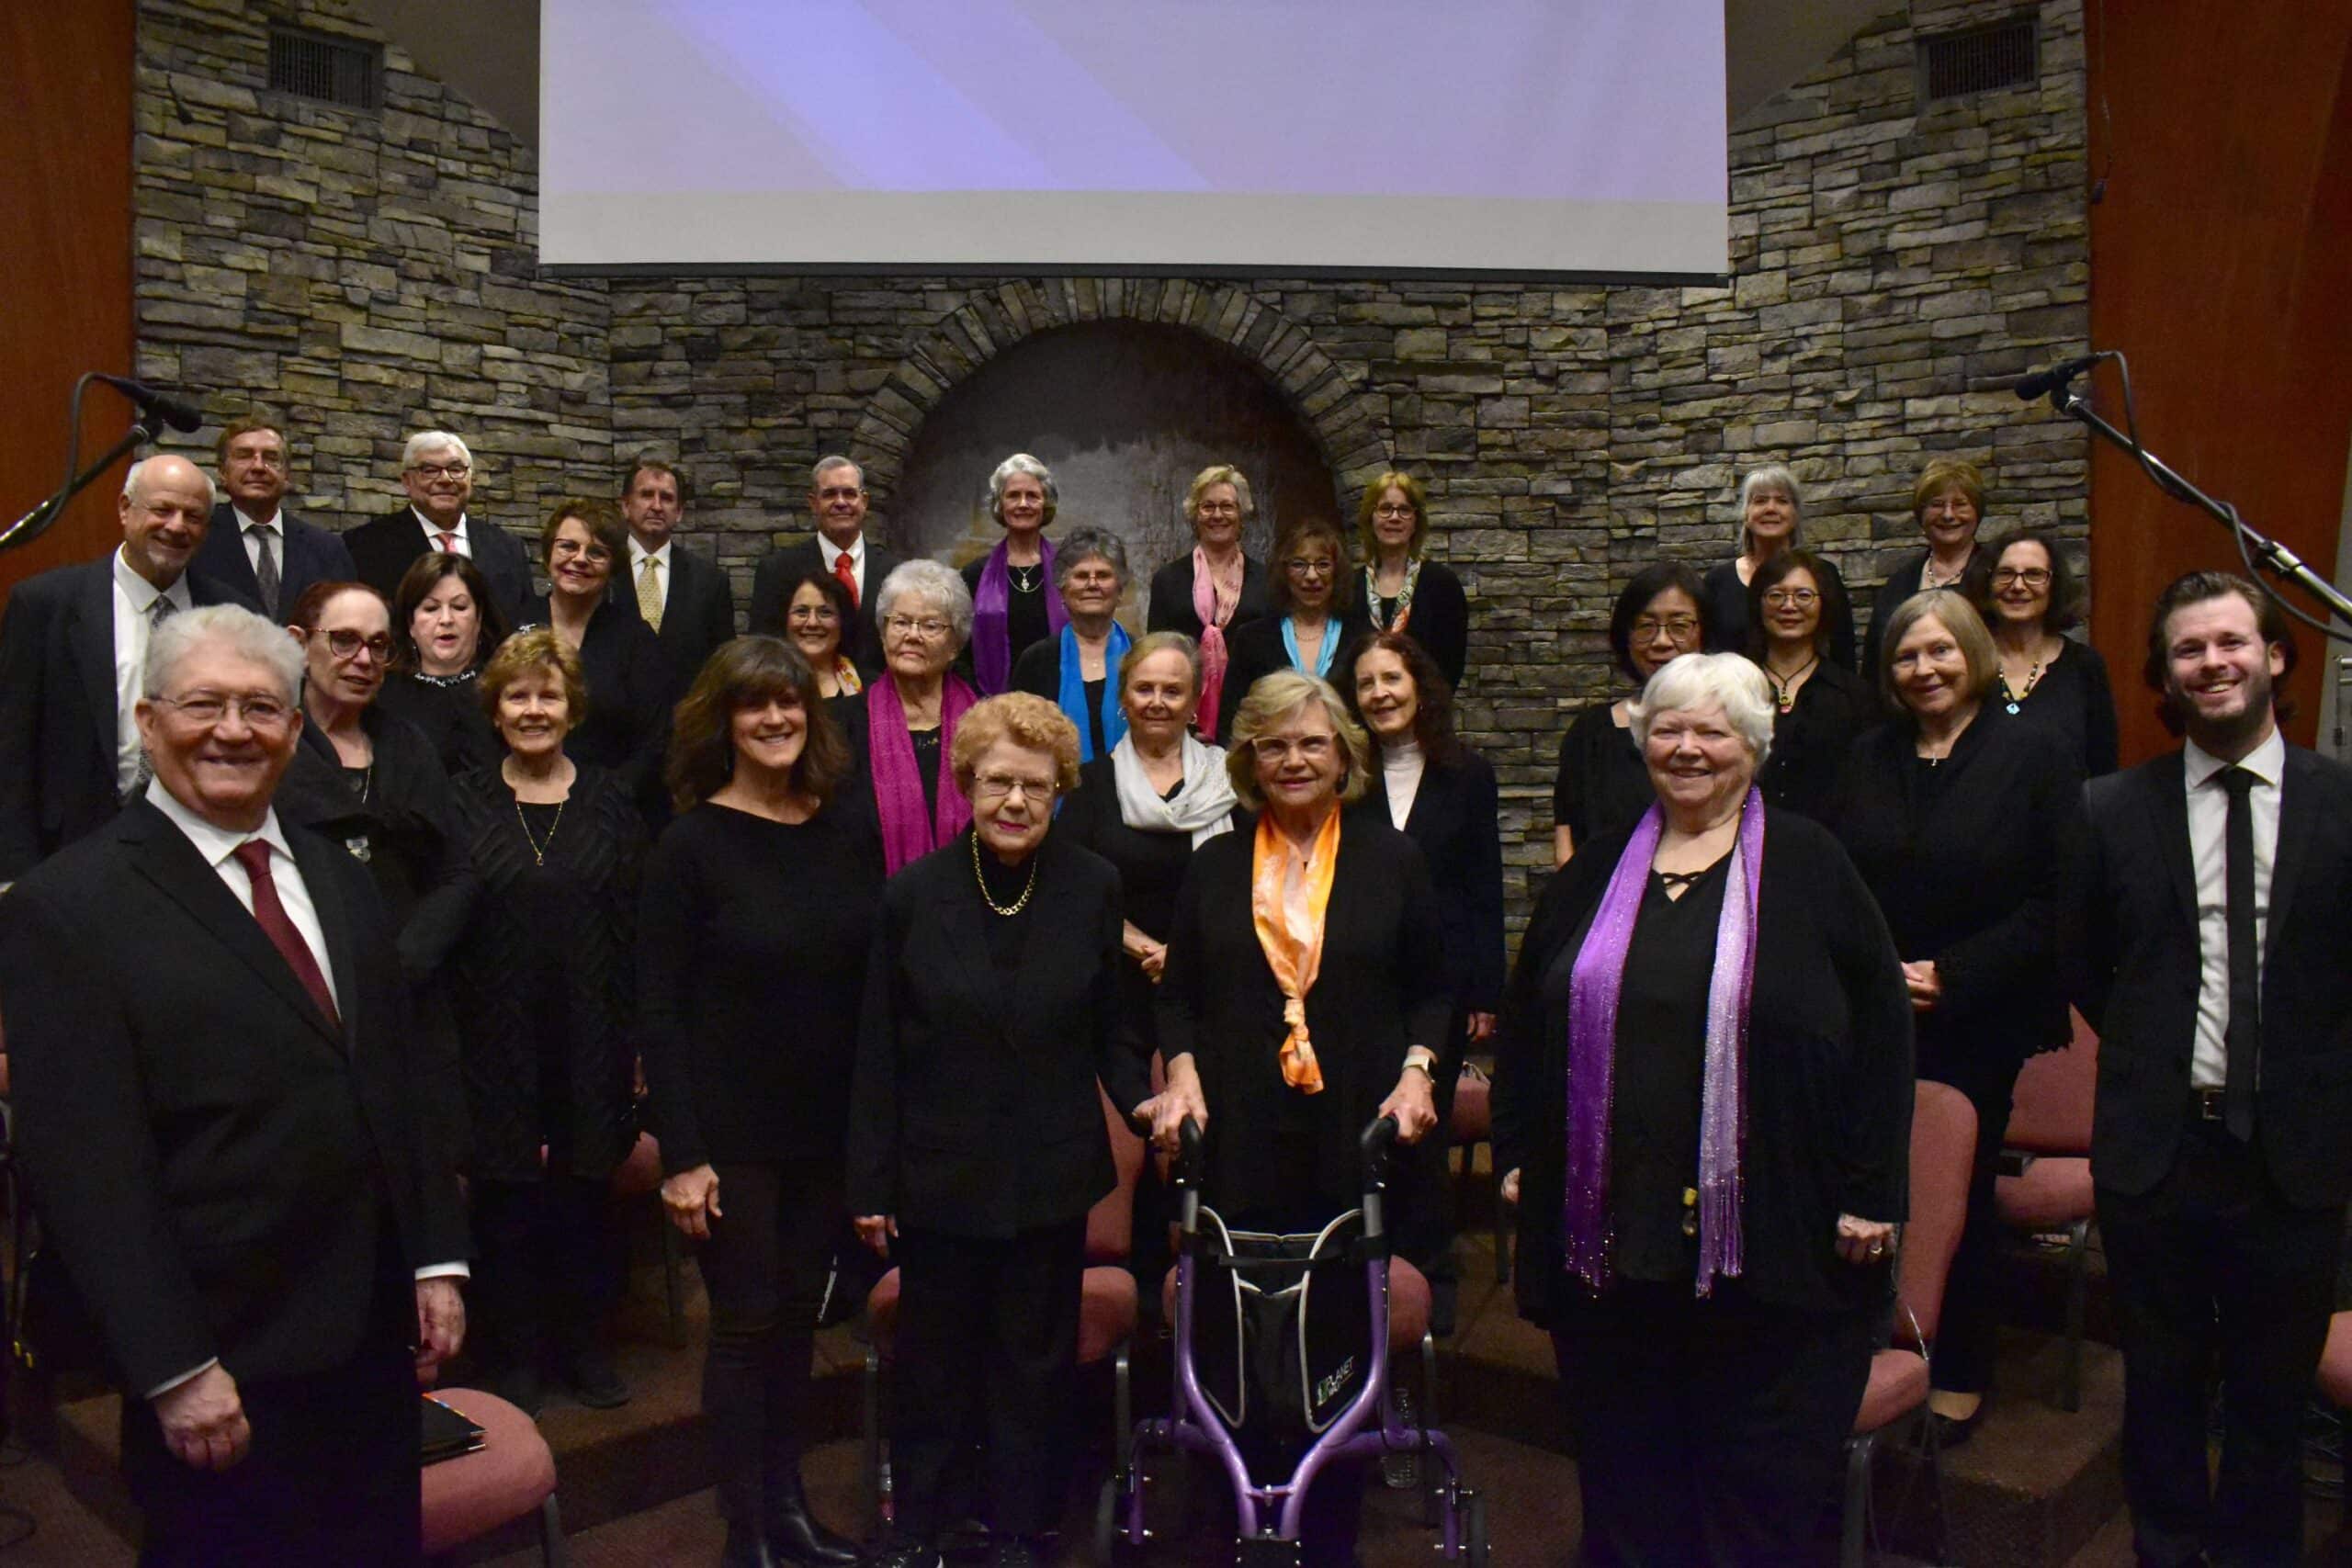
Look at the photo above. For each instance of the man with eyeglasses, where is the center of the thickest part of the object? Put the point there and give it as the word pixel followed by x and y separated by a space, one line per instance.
pixel 437 471
pixel 219 1097
pixel 837 503
pixel 266 553
pixel 685 600
pixel 72 647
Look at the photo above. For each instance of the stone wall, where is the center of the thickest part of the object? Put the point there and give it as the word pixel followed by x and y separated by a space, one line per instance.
pixel 377 271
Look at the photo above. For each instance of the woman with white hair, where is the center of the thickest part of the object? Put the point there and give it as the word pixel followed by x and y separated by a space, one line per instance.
pixel 1075 671
pixel 1711 1006
pixel 1015 600
pixel 905 727
pixel 1771 519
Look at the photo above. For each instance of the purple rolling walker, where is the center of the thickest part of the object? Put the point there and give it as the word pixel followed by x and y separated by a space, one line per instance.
pixel 1268 1517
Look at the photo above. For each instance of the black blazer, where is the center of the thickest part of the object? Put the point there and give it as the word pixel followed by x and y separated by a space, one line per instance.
pixel 1456 822
pixel 699 617
pixel 1381 990
pixel 975 1111
pixel 402 832
pixel 1900 584
pixel 309 554
pixel 1963 859
pixel 1257 650
pixel 57 707
pixel 772 596
pixel 1171 607
pixel 1727 625
pixel 2130 926
pixel 384 548
pixel 215 1161
pixel 628 728
pixel 1440 619
pixel 1829 1072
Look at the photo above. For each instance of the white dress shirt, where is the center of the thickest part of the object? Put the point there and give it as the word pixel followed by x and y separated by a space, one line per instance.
pixel 249 533
pixel 2208 815
pixel 638 555
pixel 134 604
pixel 218 845
pixel 433 532
pixel 829 552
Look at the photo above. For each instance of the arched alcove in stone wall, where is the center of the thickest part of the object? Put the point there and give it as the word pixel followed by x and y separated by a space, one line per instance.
pixel 1124 413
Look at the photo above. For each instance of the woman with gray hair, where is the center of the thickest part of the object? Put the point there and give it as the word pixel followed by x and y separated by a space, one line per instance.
pixel 1711 1006
pixel 1075 669
pixel 1015 599
pixel 1771 519
pixel 906 728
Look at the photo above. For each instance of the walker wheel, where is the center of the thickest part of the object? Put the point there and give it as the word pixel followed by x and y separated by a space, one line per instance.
pixel 1474 1534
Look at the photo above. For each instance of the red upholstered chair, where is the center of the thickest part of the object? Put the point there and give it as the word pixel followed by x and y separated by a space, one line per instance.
pixel 2335 1361
pixel 639 1175
pixel 511 1474
pixel 2050 1127
pixel 1943 1148
pixel 1107 1312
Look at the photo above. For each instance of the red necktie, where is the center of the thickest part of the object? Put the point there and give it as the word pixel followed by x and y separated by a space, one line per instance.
pixel 254 855
pixel 449 543
pixel 846 569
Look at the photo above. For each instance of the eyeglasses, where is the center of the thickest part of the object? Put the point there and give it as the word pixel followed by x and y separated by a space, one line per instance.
pixel 1093 577
pixel 570 548
pixel 442 470
pixel 824 615
pixel 1390 513
pixel 346 644
pixel 907 625
pixel 1311 565
pixel 1803 598
pixel 832 493
pixel 260 459
pixel 1218 509
pixel 1001 786
pixel 1679 628
pixel 1270 749
pixel 2030 576
pixel 208 708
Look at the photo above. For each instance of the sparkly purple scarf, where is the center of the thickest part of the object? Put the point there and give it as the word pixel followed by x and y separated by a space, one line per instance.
pixel 993 616
pixel 1595 984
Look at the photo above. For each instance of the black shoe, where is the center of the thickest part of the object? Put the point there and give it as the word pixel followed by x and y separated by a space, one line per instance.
pixel 593 1381
pixel 521 1387
pixel 1950 1431
pixel 796 1537
pixel 745 1548
pixel 903 1554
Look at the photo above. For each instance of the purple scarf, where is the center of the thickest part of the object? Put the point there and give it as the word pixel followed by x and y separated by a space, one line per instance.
pixel 1594 987
pixel 991 617
pixel 898 788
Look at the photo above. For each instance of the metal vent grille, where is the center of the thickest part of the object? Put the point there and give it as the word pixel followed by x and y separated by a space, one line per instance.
pixel 1980 59
pixel 330 70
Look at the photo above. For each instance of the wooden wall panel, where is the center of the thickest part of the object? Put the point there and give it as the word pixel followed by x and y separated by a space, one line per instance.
pixel 65 264
pixel 2221 263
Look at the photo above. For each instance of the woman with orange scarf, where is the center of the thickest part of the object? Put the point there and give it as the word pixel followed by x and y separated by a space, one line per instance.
pixel 1303 994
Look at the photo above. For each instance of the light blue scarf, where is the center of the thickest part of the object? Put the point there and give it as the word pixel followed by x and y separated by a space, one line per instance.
pixel 1072 696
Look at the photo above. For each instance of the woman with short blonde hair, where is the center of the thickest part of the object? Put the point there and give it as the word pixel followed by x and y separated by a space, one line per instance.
pixel 1215 590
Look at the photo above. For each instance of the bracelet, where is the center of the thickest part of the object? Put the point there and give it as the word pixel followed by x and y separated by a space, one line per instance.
pixel 1415 1065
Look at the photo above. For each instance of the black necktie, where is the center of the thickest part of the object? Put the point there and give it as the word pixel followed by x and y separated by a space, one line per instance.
pixel 2244 1034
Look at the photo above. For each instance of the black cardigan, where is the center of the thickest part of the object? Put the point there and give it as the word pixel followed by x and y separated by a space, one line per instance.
pixel 2072 701
pixel 1381 990
pixel 1963 860
pixel 1257 650
pixel 1171 609
pixel 1602 784
pixel 1456 822
pixel 402 832
pixel 975 1111
pixel 1828 1074
pixel 1440 620
pixel 1727 625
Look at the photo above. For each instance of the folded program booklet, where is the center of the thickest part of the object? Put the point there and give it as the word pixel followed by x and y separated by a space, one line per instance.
pixel 445 1433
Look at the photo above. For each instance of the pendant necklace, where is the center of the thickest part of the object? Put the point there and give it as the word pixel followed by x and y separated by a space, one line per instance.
pixel 1784 696
pixel 2033 679
pixel 538 850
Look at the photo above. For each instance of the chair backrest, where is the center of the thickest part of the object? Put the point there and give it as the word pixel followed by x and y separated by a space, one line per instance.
pixel 1111 1223
pixel 2054 1095
pixel 1944 1149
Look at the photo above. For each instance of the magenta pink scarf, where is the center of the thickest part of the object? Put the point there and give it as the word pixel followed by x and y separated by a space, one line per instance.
pixel 1212 617
pixel 898 788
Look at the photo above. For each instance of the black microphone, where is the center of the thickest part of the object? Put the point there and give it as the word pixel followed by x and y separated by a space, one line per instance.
pixel 180 415
pixel 2043 382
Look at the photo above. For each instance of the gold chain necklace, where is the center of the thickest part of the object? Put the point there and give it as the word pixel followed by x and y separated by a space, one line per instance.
pixel 1018 905
pixel 539 851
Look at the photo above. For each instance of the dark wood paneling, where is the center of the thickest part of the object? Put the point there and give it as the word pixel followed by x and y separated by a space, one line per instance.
pixel 66 78
pixel 2221 263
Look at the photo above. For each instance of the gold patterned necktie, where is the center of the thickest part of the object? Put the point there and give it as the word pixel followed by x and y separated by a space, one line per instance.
pixel 649 593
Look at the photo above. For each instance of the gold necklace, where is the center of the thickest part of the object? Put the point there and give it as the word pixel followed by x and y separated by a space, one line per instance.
pixel 539 851
pixel 1018 905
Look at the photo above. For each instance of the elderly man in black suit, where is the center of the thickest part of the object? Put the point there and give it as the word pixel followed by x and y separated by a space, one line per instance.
pixel 837 501
pixel 217 1110
pixel 437 471
pixel 256 546
pixel 2204 935
pixel 71 647
pixel 686 599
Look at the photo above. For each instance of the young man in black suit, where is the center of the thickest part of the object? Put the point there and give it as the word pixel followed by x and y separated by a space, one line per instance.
pixel 686 599
pixel 2207 904
pixel 256 545
pixel 220 1109
pixel 837 501
pixel 437 471
pixel 72 647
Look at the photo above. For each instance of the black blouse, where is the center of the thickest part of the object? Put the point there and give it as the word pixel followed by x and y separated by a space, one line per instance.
pixel 1602 784
pixel 2073 701
pixel 1727 611
pixel 392 816
pixel 1440 620
pixel 1025 621
pixel 1810 741
pixel 447 711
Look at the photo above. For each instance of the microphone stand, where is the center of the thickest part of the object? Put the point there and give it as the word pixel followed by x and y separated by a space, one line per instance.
pixel 2259 548
pixel 34 523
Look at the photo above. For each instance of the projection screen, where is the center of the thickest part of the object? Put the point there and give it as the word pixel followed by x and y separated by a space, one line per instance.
pixel 1525 137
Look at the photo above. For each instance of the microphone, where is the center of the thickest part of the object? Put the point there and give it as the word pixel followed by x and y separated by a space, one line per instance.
pixel 179 414
pixel 2043 382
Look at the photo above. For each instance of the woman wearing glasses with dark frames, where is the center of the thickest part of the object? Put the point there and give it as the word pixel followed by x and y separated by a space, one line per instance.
pixel 2027 595
pixel 1818 706
pixel 1315 615
pixel 1602 784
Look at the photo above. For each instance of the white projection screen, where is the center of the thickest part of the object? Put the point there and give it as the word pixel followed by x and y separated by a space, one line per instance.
pixel 1518 138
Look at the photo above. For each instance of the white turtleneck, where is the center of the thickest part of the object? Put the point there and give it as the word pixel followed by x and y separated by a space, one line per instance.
pixel 1400 768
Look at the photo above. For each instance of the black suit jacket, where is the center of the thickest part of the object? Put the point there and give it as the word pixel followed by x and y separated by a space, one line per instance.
pixel 699 617
pixel 1900 584
pixel 628 728
pixel 309 554
pixel 2130 940
pixel 57 707
pixel 975 1111
pixel 384 549
pixel 1456 821
pixel 223 1171
pixel 772 596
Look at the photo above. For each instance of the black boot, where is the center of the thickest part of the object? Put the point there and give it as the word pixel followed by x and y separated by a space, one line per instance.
pixel 794 1534
pixel 745 1548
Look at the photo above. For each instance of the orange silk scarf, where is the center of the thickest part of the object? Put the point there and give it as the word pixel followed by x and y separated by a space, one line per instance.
pixel 1291 932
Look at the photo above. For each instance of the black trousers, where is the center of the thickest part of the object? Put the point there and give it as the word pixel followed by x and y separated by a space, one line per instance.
pixel 331 1475
pixel 2213 1266
pixel 987 1343
pixel 1708 1432
pixel 765 1266
pixel 546 1273
pixel 1967 1336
